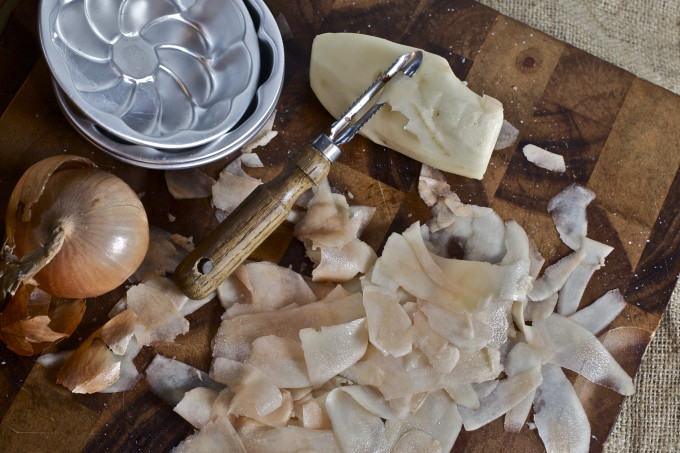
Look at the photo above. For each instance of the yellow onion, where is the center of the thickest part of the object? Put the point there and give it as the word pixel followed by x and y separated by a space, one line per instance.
pixel 91 223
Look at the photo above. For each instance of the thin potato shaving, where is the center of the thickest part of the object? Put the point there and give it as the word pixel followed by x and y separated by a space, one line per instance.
pixel 159 319
pixel 568 209
pixel 355 428
pixel 389 326
pixel 600 313
pixel 436 415
pixel 570 295
pixel 565 343
pixel 162 256
pixel 273 287
pixel 234 184
pixel 544 158
pixel 559 416
pixel 217 435
pixel 509 393
pixel 263 136
pixel 196 406
pixel 235 336
pixel 189 184
pixel 333 349
pixel 289 439
pixel 507 136
pixel 282 359
pixel 330 230
pixel 170 379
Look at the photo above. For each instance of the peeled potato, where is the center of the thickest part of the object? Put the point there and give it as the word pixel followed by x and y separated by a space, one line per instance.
pixel 432 117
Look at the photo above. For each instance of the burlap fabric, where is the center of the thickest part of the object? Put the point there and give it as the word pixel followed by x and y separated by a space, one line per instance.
pixel 643 37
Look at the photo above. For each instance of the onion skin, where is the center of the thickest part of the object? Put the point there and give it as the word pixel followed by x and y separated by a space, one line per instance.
pixel 105 224
pixel 30 303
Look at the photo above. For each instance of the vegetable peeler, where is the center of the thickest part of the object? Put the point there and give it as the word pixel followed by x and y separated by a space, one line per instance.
pixel 226 247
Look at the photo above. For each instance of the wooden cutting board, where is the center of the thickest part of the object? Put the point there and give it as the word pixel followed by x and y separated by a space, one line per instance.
pixel 619 136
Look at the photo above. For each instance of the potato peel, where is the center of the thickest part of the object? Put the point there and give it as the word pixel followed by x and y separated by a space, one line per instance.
pixel 399 360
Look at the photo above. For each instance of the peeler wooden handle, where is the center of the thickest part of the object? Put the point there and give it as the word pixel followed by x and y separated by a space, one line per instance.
pixel 267 207
pixel 226 247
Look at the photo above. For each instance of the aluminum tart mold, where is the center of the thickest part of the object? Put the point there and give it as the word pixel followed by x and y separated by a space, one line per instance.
pixel 262 106
pixel 161 73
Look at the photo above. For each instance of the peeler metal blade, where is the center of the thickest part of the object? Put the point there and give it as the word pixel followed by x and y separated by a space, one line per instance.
pixel 350 123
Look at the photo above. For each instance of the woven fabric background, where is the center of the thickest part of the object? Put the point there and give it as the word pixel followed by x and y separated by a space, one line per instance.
pixel 643 37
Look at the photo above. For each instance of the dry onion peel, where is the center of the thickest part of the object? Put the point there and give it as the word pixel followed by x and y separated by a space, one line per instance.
pixel 94 366
pixel 129 375
pixel 150 313
pixel 32 184
pixel 34 320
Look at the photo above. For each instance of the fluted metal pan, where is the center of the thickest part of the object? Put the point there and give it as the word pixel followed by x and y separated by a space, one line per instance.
pixel 268 90
pixel 163 73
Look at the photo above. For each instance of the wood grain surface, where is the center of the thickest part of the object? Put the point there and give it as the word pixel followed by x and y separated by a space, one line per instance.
pixel 619 136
